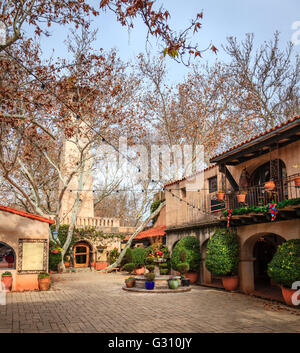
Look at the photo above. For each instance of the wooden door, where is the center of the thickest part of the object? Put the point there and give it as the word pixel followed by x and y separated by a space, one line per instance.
pixel 81 255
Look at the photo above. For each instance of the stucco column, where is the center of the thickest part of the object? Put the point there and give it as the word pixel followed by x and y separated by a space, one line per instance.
pixel 246 275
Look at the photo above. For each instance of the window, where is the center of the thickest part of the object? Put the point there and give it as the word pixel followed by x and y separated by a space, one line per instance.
pixel 7 256
pixel 213 184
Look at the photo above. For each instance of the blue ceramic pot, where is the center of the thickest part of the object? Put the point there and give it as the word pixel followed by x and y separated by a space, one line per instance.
pixel 149 285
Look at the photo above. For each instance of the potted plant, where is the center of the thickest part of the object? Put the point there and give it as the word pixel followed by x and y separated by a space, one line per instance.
pixel 220 195
pixel 173 282
pixel 149 283
pixel 129 267
pixel 163 268
pixel 44 281
pixel 222 257
pixel 67 261
pixel 284 268
pixel 138 258
pixel 130 282
pixel 187 250
pixel 270 185
pixel 241 197
pixel 297 181
pixel 6 279
pixel 183 268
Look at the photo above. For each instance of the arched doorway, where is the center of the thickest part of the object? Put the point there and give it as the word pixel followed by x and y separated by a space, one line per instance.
pixel 7 256
pixel 263 252
pixel 81 254
pixel 257 251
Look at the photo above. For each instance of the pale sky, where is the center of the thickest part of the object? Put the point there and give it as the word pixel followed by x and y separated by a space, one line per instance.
pixel 221 19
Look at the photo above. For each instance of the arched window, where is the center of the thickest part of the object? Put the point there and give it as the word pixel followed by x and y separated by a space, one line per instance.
pixel 7 256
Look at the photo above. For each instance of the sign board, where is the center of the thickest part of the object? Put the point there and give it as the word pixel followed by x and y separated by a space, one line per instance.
pixel 32 255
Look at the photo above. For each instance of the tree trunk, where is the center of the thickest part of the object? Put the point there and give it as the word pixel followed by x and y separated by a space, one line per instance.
pixel 139 229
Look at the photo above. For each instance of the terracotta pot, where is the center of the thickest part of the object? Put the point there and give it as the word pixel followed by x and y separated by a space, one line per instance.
pixel 67 264
pixel 220 195
pixel 44 283
pixel 130 284
pixel 297 181
pixel 270 185
pixel 241 198
pixel 230 283
pixel 287 294
pixel 193 276
pixel 7 282
pixel 140 271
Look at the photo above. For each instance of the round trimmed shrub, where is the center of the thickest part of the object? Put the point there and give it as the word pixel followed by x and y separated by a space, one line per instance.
pixel 284 268
pixel 139 256
pixel 222 253
pixel 163 271
pixel 129 267
pixel 150 268
pixel 183 267
pixel 127 259
pixel 191 246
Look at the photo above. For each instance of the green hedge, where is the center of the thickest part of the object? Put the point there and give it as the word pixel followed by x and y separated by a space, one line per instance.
pixel 191 245
pixel 284 268
pixel 54 259
pixel 222 253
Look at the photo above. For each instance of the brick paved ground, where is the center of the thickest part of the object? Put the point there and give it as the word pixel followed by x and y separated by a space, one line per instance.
pixel 93 302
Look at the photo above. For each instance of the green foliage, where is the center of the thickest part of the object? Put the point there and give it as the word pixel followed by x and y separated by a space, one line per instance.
pixel 130 279
pixel 150 268
pixel 6 273
pixel 164 271
pixel 54 259
pixel 262 209
pixel 43 275
pixel 165 251
pixel 222 253
pixel 139 256
pixel 129 267
pixel 127 257
pixel 182 255
pixel 150 276
pixel 149 260
pixel 163 265
pixel 284 268
pixel 183 267
pixel 154 206
pixel 191 246
pixel 113 255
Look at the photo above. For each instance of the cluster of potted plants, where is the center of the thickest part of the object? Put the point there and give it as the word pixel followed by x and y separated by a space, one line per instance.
pixel 55 249
pixel 222 257
pixel 6 280
pixel 44 281
pixel 284 269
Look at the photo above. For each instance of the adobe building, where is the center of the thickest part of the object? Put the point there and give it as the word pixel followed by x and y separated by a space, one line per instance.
pixel 245 168
pixel 24 246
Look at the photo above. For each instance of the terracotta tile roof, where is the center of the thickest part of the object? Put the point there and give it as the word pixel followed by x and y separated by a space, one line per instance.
pixel 257 136
pixel 200 171
pixel 26 214
pixel 153 232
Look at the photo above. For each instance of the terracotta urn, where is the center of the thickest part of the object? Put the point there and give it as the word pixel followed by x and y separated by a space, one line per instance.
pixel 230 283
pixel 140 271
pixel 287 294
pixel 44 283
pixel 7 282
pixel 130 283
pixel 193 276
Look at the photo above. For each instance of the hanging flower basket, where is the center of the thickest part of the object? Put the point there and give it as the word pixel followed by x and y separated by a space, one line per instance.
pixel 269 185
pixel 297 182
pixel 241 198
pixel 220 195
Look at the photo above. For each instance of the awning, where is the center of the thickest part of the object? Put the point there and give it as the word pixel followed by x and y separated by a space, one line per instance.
pixel 153 232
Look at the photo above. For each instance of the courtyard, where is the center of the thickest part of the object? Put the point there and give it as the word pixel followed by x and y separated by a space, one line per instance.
pixel 85 302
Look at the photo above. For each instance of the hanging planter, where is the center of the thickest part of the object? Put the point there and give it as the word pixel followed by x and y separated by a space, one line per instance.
pixel 241 197
pixel 220 195
pixel 269 185
pixel 297 182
